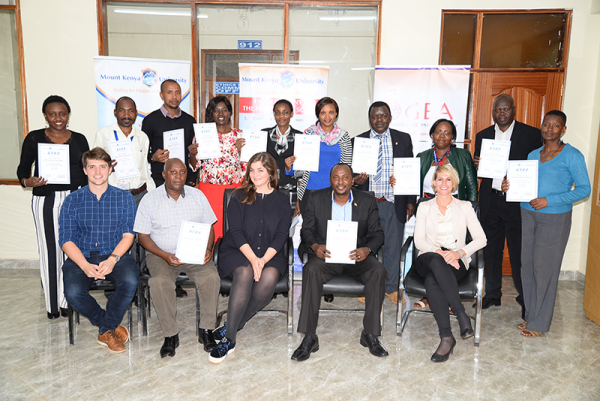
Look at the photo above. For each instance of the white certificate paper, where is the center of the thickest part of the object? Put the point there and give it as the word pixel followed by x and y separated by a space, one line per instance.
pixel 307 149
pixel 494 156
pixel 193 239
pixel 122 153
pixel 407 172
pixel 174 142
pixel 53 163
pixel 256 142
pixel 523 177
pixel 341 240
pixel 207 139
pixel 364 156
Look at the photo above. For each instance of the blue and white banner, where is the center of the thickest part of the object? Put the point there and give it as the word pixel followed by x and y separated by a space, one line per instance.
pixel 139 79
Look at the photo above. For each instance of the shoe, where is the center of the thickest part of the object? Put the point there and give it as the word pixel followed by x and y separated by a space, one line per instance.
pixel 328 297
pixel 219 333
pixel 168 347
pixel 218 354
pixel 443 358
pixel 64 312
pixel 53 316
pixel 309 344
pixel 487 302
pixel 421 304
pixel 112 341
pixel 393 297
pixel 375 347
pixel 206 338
pixel 361 299
pixel 181 293
pixel 466 333
pixel 122 333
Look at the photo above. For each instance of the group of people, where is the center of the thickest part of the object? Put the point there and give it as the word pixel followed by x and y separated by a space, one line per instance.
pixel 86 228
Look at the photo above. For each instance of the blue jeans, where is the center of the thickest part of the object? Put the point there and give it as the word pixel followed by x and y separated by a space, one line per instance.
pixel 125 276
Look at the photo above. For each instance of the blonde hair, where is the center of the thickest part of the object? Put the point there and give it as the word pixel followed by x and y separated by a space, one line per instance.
pixel 449 170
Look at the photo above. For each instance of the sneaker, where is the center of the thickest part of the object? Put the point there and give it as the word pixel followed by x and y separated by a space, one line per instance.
pixel 112 341
pixel 218 354
pixel 122 333
pixel 219 332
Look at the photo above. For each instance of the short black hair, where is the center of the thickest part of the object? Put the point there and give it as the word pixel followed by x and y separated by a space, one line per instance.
pixel 557 113
pixel 379 104
pixel 284 101
pixel 341 164
pixel 324 102
pixel 443 120
pixel 210 107
pixel 125 98
pixel 172 81
pixel 55 99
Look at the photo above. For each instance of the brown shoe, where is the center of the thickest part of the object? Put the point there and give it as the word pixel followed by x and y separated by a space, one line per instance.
pixel 393 297
pixel 111 340
pixel 122 333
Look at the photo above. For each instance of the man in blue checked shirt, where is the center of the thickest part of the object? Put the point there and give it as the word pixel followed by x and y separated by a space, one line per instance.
pixel 96 231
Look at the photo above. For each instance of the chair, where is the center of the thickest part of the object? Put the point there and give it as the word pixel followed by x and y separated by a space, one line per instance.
pixel 98 285
pixel 284 285
pixel 469 287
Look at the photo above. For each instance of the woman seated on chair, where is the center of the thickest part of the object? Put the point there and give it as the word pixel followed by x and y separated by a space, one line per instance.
pixel 440 234
pixel 252 253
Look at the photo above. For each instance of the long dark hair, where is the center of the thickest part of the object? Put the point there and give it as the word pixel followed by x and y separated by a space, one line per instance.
pixel 248 187
pixel 210 108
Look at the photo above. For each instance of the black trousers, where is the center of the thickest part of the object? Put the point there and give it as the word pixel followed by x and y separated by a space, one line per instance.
pixel 441 283
pixel 316 272
pixel 503 220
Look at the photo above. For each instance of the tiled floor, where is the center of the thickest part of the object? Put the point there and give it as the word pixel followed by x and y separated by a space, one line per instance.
pixel 37 362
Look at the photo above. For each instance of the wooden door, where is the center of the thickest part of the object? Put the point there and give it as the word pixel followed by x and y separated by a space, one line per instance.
pixel 535 93
pixel 591 298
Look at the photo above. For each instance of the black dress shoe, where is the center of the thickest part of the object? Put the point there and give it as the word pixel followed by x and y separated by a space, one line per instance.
pixel 168 347
pixel 309 344
pixel 328 297
pixel 487 302
pixel 181 293
pixel 207 338
pixel 443 358
pixel 466 333
pixel 375 347
pixel 53 316
pixel 64 312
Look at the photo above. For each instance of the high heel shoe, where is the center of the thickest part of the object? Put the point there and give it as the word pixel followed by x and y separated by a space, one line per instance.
pixel 443 358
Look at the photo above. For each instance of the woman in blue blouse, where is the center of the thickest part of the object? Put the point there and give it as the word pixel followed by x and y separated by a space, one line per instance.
pixel 259 219
pixel 546 221
pixel 336 147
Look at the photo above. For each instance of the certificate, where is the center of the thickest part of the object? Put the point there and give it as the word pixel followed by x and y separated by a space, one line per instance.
pixel 207 138
pixel 307 149
pixel 364 156
pixel 193 238
pixel 122 153
pixel 494 156
pixel 341 240
pixel 53 163
pixel 173 141
pixel 256 142
pixel 523 177
pixel 407 172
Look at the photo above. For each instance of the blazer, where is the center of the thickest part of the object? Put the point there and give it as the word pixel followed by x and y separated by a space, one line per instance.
pixel 401 147
pixel 364 211
pixel 461 160
pixel 463 218
pixel 524 140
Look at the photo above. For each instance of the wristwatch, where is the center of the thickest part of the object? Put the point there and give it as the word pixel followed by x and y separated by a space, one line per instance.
pixel 117 257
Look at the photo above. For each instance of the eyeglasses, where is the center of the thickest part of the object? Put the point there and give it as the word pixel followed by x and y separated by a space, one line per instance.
pixel 445 133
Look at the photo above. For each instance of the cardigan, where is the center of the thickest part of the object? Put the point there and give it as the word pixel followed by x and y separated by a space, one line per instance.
pixel 285 181
pixel 461 160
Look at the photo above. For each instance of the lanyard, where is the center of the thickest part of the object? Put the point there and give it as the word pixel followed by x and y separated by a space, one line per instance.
pixel 117 137
pixel 439 162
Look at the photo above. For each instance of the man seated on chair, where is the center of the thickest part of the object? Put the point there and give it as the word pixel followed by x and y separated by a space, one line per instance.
pixel 96 232
pixel 158 223
pixel 341 203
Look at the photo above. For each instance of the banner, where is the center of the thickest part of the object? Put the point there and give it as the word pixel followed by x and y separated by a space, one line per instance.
pixel 418 96
pixel 139 79
pixel 261 85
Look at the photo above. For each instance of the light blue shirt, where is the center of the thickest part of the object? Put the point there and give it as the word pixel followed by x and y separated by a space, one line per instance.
pixel 341 213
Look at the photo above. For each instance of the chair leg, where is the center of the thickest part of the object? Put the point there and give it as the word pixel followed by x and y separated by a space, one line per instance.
pixel 130 318
pixel 290 303
pixel 77 317
pixel 405 316
pixel 144 316
pixel 137 294
pixel 399 309
pixel 148 298
pixel 198 313
pixel 478 321
pixel 71 328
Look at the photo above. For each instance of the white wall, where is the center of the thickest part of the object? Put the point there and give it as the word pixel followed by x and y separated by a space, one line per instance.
pixel 60 40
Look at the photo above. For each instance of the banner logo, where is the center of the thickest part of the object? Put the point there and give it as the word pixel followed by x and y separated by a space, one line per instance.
pixel 287 78
pixel 149 76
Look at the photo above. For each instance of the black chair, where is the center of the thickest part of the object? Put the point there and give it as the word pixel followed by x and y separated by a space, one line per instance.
pixel 285 284
pixel 469 287
pixel 72 314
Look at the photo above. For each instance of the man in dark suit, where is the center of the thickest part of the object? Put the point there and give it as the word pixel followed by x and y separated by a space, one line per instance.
pixel 499 218
pixel 340 203
pixel 393 210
